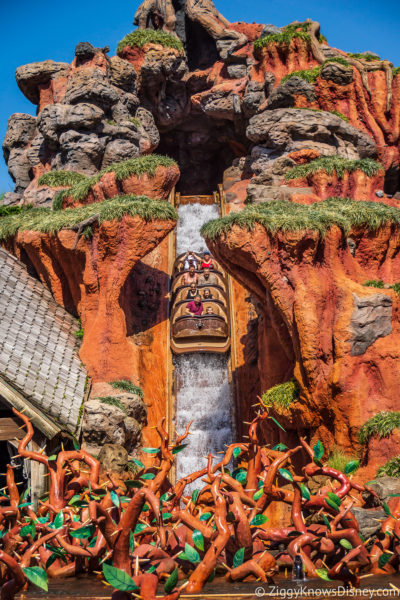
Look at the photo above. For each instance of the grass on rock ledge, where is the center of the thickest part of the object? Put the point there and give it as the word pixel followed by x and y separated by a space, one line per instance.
pixel 390 469
pixel 141 37
pixel 382 425
pixel 61 178
pixel 288 216
pixel 338 459
pixel 282 39
pixel 282 395
pixel 49 221
pixel 332 164
pixel 126 386
pixel 141 165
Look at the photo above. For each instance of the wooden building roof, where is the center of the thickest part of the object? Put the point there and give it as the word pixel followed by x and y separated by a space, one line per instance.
pixel 39 363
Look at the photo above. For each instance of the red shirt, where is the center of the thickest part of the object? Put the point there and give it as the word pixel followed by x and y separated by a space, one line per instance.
pixel 209 265
pixel 194 309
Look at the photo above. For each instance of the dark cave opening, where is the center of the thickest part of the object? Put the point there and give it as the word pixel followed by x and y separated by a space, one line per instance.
pixel 392 180
pixel 203 149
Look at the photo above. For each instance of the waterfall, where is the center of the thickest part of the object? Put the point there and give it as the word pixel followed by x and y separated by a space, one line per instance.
pixel 203 393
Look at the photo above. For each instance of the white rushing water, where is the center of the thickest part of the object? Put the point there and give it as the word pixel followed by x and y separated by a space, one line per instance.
pixel 204 397
pixel 203 393
pixel 191 218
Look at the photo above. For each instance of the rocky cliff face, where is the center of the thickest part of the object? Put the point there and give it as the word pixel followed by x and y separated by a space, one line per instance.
pixel 282 119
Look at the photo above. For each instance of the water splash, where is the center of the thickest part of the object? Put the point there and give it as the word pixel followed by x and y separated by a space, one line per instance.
pixel 204 396
pixel 191 218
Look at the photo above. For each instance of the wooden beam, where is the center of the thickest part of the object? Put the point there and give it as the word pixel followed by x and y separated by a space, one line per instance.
pixel 10 429
pixel 46 425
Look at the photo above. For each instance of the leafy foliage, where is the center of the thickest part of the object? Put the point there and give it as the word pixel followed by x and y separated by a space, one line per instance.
pixel 50 221
pixel 309 75
pixel 282 395
pixel 138 166
pixel 5 211
pixel 113 401
pixel 337 59
pixel 338 459
pixel 61 178
pixel 140 37
pixel 396 71
pixel 377 283
pixel 390 469
pixel 382 425
pixel 282 39
pixel 127 386
pixel 287 216
pixel 331 164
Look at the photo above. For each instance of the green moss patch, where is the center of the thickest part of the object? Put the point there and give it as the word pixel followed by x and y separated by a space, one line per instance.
pixel 141 37
pixel 382 425
pixel 338 459
pixel 61 178
pixel 288 216
pixel 390 469
pixel 113 401
pixel 337 59
pixel 282 39
pixel 309 75
pixel 363 56
pixel 141 165
pixel 331 164
pixel 127 386
pixel 376 283
pixel 333 112
pixel 46 220
pixel 282 395
pixel 5 211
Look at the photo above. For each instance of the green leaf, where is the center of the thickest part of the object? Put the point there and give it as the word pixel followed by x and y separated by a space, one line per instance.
pixel 166 516
pixel 240 475
pixel 346 544
pixel 213 573
pixel 393 495
pixel 24 495
pixel 76 444
pixel 132 483
pixel 118 579
pixel 237 451
pixel 352 466
pixel 258 494
pixel 277 423
pixel 59 520
pixel 125 499
pixel 147 476
pixel 334 498
pixel 92 542
pixel 52 558
pixel 286 474
pixel 323 574
pixel 28 530
pixel 138 463
pixel 332 504
pixel 281 447
pixel 178 448
pixel 74 499
pixel 386 509
pixel 195 495
pixel 151 450
pixel 53 457
pixel 383 559
pixel 326 521
pixel 238 557
pixel 140 527
pixel 205 516
pixel 258 520
pixel 318 451
pixel 192 554
pixel 42 520
pixel 171 582
pixel 82 533
pixel 37 576
pixel 115 498
pixel 305 492
pixel 100 492
pixel 198 539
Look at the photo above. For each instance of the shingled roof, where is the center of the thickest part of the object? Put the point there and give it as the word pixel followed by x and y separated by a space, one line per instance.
pixel 38 349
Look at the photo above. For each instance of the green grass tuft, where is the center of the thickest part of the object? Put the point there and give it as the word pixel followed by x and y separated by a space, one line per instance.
pixel 137 122
pixel 382 425
pixel 338 459
pixel 282 39
pixel 337 113
pixel 281 395
pixel 337 59
pixel 5 211
pixel 113 401
pixel 288 216
pixel 376 283
pixel 309 75
pixel 138 166
pixel 49 221
pixel 331 164
pixel 390 469
pixel 60 178
pixel 333 112
pixel 127 386
pixel 363 56
pixel 140 37
pixel 396 288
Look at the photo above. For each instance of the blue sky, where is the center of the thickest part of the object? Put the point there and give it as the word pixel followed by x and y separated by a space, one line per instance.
pixel 34 31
